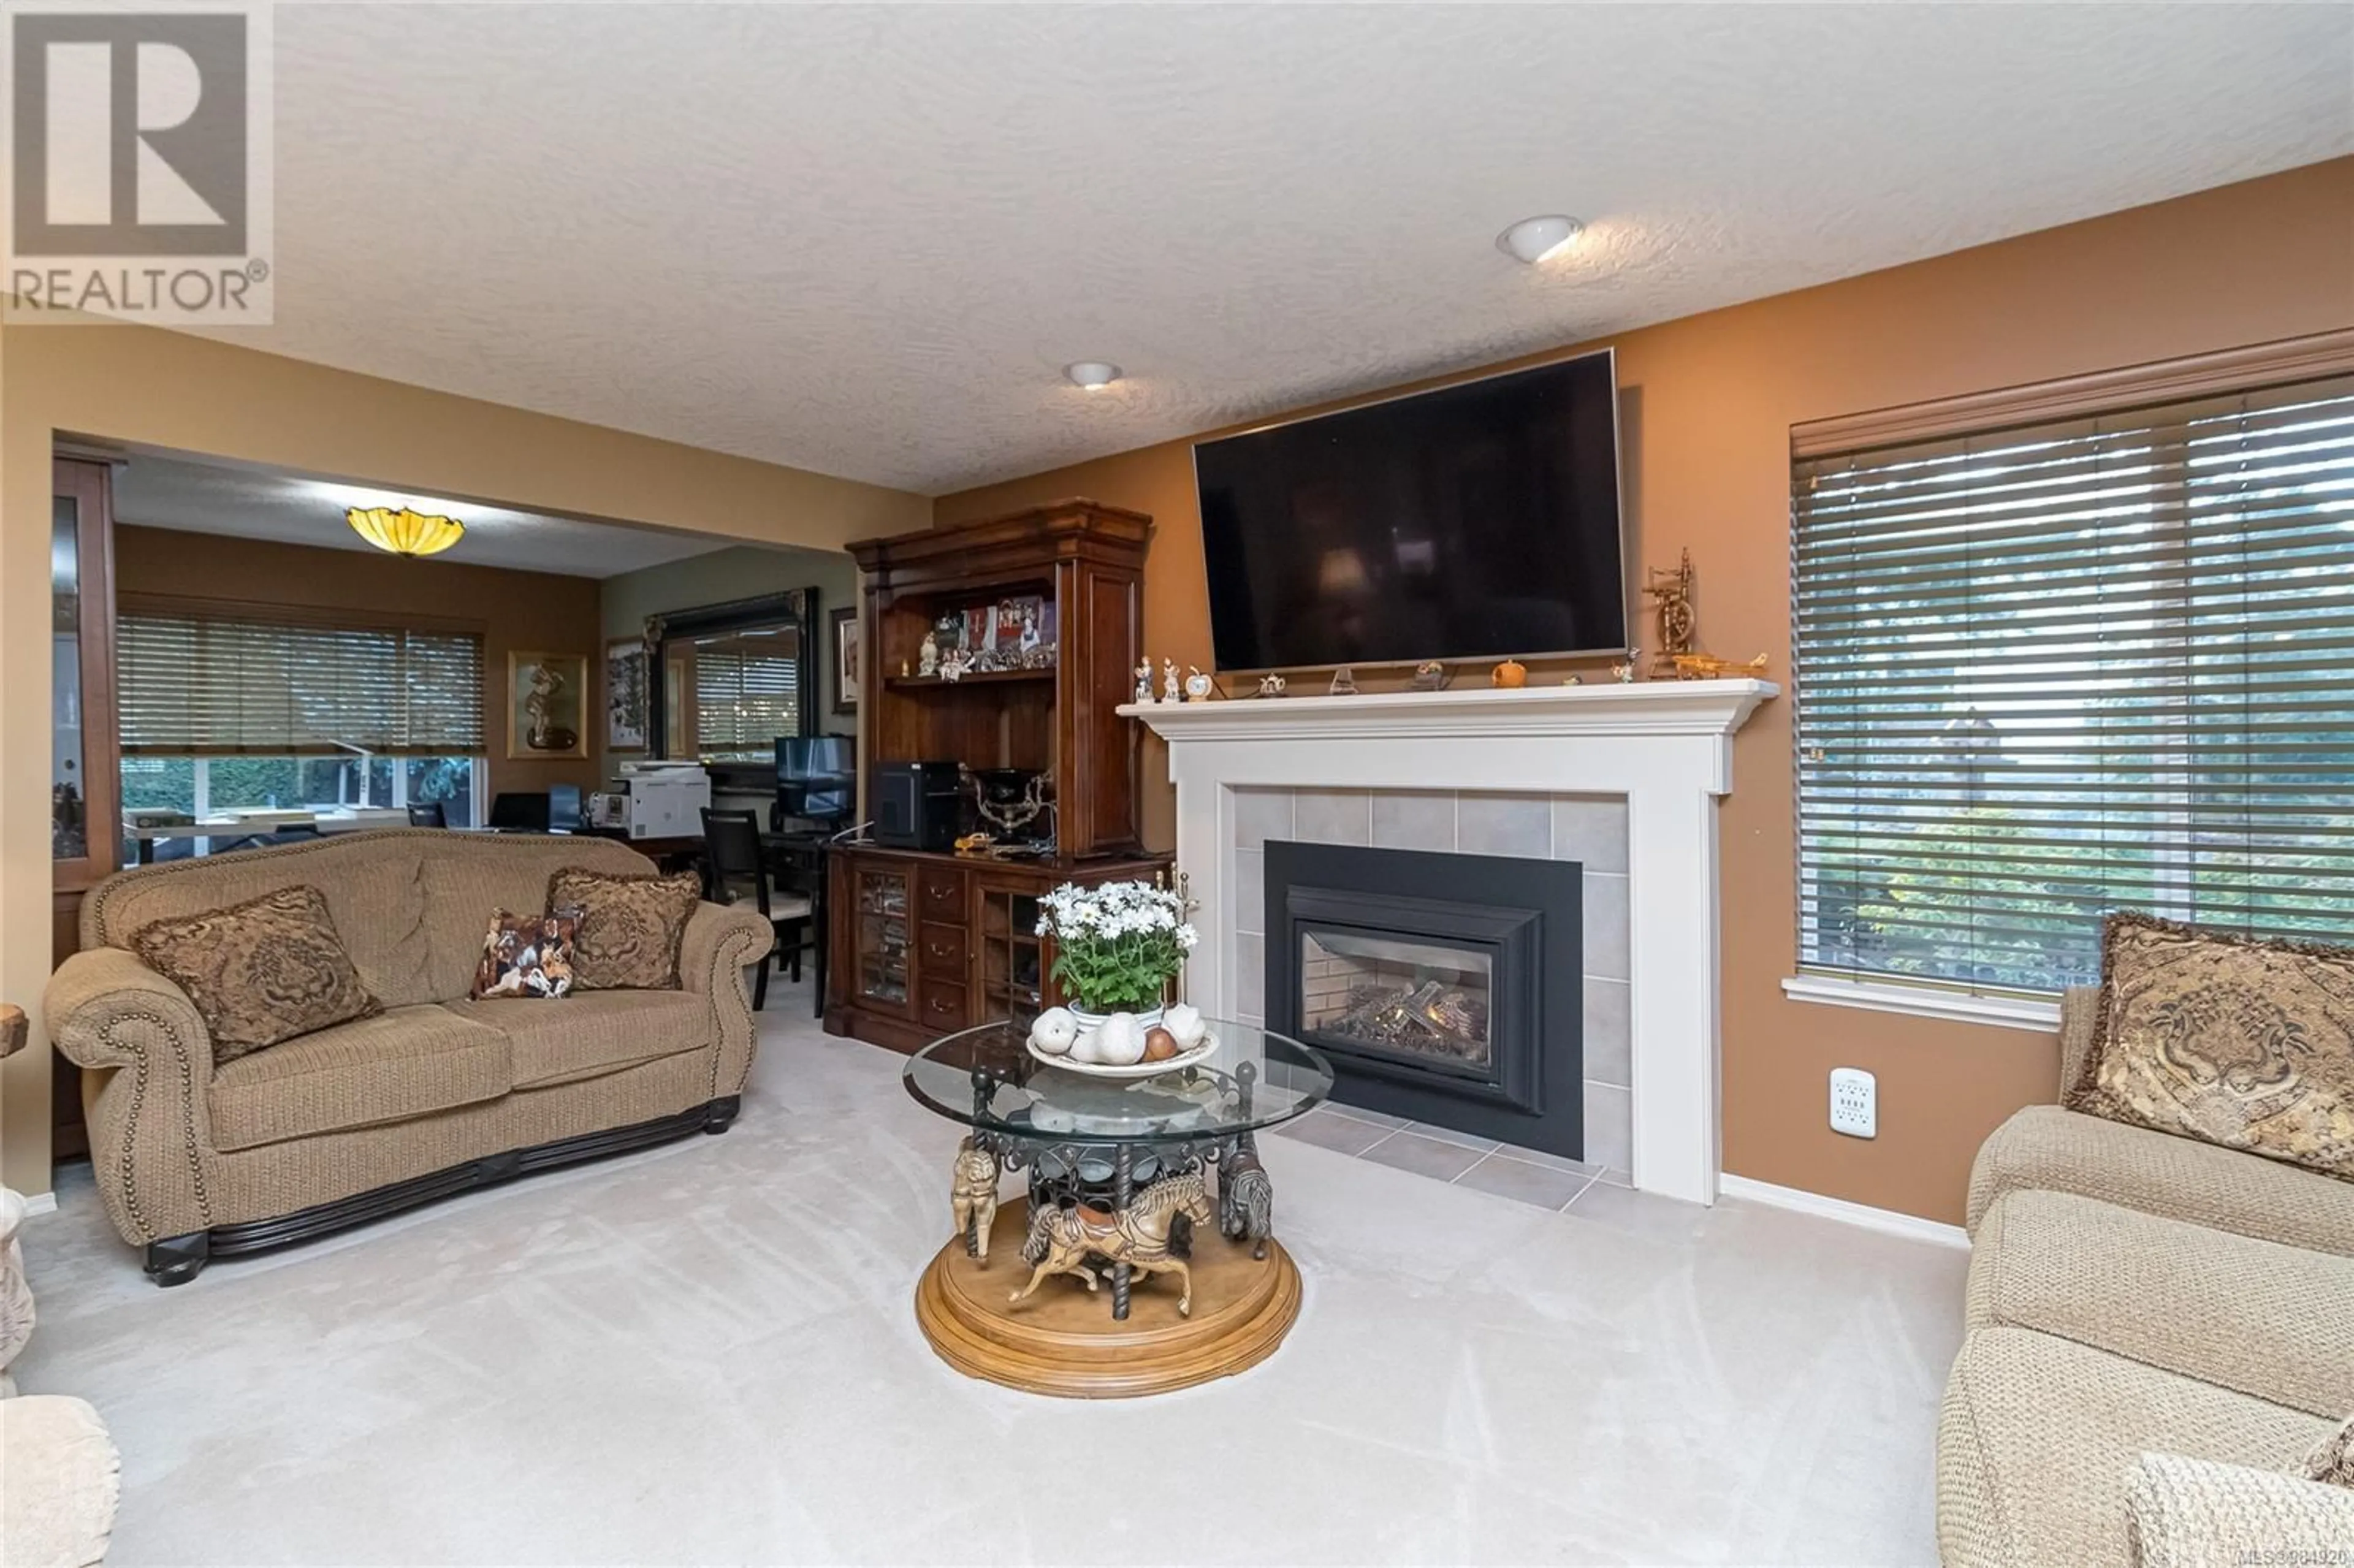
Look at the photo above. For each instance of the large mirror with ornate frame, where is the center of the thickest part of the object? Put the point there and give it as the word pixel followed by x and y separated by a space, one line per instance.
pixel 731 680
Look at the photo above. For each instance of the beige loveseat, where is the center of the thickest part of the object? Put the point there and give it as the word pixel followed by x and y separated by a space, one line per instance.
pixel 434 1095
pixel 2133 1293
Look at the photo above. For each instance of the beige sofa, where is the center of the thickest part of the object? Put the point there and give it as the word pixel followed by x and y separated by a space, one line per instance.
pixel 436 1095
pixel 2134 1294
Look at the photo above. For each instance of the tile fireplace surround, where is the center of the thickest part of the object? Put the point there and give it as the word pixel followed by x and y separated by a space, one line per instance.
pixel 1539 771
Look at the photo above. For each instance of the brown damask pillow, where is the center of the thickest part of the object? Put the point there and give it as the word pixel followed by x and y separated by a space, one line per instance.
pixel 261 971
pixel 631 926
pixel 2239 1040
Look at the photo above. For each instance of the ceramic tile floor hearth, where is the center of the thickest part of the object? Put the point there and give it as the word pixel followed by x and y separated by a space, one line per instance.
pixel 1460 1159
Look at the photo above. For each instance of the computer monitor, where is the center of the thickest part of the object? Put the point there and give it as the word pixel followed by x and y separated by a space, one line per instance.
pixel 817 777
pixel 517 812
pixel 563 808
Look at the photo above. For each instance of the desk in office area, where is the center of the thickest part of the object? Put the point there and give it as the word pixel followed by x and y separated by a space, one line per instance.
pixel 259 826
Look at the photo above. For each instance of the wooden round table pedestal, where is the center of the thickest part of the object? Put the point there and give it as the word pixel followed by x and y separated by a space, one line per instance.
pixel 1062 1340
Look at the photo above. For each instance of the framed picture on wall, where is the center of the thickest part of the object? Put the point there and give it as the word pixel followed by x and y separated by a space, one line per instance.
pixel 845 660
pixel 547 704
pixel 625 694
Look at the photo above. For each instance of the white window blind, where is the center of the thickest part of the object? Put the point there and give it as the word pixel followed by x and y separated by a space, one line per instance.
pixel 2048 673
pixel 746 693
pixel 200 685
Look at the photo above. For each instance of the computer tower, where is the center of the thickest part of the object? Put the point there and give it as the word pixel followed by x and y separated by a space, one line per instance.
pixel 917 805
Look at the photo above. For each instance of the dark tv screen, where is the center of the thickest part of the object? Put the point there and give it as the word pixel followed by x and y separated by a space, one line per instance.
pixel 1472 521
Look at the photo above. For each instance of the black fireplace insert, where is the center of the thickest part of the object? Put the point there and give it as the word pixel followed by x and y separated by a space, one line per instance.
pixel 1445 988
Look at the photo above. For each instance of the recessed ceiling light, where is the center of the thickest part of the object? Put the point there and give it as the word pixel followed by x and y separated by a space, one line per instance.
pixel 1093 375
pixel 1535 239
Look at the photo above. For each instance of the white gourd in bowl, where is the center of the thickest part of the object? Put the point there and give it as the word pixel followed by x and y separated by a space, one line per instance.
pixel 1185 1025
pixel 1119 1040
pixel 1055 1032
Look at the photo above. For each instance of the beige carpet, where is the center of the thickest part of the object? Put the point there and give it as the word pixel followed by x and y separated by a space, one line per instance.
pixel 705 1353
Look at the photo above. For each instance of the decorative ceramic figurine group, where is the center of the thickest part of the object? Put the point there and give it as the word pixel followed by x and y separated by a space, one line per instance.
pixel 1121 1040
pixel 1196 686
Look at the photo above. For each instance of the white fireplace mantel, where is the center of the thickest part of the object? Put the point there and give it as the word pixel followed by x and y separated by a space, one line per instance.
pixel 1666 746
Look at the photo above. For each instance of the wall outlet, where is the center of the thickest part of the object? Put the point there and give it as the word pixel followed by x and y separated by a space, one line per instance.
pixel 1855 1102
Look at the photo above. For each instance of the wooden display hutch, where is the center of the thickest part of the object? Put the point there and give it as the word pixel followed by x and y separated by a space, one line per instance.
pixel 925 944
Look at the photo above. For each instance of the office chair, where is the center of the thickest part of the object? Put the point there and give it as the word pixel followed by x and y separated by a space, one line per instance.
pixel 732 855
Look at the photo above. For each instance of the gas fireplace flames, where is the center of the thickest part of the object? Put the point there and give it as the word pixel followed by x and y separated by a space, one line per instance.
pixel 1432 1018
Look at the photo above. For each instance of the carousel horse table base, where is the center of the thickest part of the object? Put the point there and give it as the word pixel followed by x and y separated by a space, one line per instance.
pixel 1142 1261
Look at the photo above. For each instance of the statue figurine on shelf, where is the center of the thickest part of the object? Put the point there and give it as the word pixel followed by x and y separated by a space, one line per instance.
pixel 972 1197
pixel 1344 682
pixel 928 655
pixel 1198 687
pixel 1144 679
pixel 953 667
pixel 1169 692
pixel 1625 674
pixel 1430 675
pixel 1270 684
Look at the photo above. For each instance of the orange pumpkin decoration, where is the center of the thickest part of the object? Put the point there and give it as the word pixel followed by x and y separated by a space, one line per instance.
pixel 1512 674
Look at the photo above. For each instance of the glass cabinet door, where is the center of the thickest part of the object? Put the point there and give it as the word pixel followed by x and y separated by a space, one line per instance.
pixel 1012 972
pixel 84 828
pixel 882 926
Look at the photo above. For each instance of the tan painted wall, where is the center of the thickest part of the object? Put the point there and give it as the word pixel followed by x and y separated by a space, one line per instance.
pixel 1708 403
pixel 140 384
pixel 517 612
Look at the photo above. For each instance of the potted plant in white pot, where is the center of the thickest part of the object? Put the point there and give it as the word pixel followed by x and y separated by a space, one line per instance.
pixel 1117 948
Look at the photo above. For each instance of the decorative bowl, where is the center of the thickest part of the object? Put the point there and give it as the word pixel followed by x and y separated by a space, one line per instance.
pixel 1201 1052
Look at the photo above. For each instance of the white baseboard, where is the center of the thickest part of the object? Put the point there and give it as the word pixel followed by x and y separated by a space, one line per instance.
pixel 1911 1226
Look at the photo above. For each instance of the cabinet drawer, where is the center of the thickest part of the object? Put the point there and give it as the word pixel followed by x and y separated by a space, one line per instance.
pixel 940 952
pixel 944 1007
pixel 940 892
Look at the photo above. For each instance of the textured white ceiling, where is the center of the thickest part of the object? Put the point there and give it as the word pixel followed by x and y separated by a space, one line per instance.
pixel 864 240
pixel 162 490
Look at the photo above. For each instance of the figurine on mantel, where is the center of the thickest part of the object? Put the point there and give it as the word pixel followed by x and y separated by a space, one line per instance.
pixel 1625 674
pixel 1344 682
pixel 1198 687
pixel 1144 679
pixel 1169 692
pixel 1430 675
pixel 928 656
pixel 1270 684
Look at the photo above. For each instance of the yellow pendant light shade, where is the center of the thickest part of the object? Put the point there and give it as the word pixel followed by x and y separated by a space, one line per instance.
pixel 405 532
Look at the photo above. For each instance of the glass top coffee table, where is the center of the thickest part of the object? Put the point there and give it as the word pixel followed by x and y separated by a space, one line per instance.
pixel 1132 1181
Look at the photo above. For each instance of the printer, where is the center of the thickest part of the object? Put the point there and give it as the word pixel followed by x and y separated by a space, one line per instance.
pixel 664 799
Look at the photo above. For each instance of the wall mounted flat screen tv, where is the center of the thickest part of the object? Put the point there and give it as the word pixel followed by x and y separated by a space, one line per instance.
pixel 1471 521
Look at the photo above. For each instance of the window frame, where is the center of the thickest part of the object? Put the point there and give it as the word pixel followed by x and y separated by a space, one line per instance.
pixel 2106 393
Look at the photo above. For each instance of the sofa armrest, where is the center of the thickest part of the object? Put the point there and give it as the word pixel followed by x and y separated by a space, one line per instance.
pixel 2194 1513
pixel 97 990
pixel 2158 1173
pixel 721 941
pixel 150 1127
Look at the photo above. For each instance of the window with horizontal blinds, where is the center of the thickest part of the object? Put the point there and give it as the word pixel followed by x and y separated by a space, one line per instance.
pixel 747 695
pixel 2051 672
pixel 200 685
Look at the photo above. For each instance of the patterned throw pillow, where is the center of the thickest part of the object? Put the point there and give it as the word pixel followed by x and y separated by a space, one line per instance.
pixel 261 971
pixel 2232 1039
pixel 631 926
pixel 2332 1458
pixel 527 955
